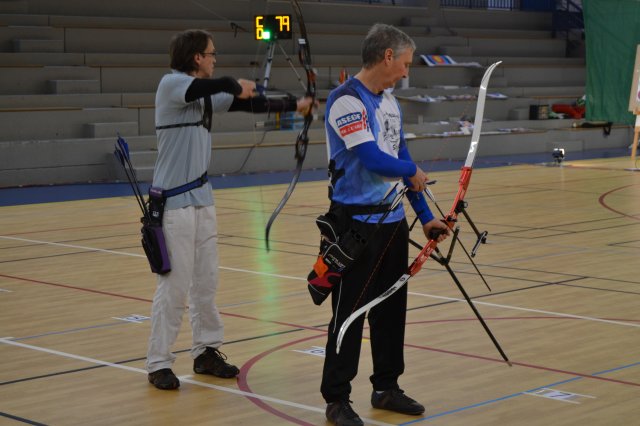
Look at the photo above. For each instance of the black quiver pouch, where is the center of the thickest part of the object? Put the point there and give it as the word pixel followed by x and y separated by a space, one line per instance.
pixel 153 241
pixel 340 246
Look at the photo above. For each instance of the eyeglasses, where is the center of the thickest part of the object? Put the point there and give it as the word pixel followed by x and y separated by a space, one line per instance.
pixel 212 54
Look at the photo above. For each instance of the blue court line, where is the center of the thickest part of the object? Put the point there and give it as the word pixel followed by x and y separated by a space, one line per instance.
pixel 503 398
pixel 82 191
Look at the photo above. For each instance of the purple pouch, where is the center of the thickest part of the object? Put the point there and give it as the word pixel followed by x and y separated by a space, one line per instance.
pixel 155 248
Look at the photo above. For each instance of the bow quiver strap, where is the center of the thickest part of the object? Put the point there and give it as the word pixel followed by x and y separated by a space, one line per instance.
pixel 196 183
pixel 153 241
pixel 204 122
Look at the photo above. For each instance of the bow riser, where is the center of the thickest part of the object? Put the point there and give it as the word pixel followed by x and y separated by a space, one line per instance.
pixel 422 257
pixel 463 184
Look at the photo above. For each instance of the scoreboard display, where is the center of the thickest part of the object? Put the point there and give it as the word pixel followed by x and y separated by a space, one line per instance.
pixel 273 27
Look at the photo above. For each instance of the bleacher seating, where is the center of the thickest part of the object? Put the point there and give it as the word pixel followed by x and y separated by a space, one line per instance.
pixel 75 73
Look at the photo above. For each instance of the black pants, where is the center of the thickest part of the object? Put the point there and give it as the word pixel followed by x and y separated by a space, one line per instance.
pixel 382 263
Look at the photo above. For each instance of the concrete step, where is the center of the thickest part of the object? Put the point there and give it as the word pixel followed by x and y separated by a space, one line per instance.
pixel 59 101
pixel 105 130
pixel 419 21
pixel 420 112
pixel 146 158
pixel 497 81
pixel 495 19
pixel 34 45
pixel 27 32
pixel 546 75
pixel 47 124
pixel 564 94
pixel 19 18
pixel 22 59
pixel 498 46
pixel 65 87
pixel 83 160
pixel 455 51
pixel 502 33
pixel 346 13
pixel 35 80
pixel 14 6
pixel 436 30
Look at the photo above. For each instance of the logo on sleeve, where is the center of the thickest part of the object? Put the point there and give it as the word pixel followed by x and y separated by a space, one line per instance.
pixel 352 122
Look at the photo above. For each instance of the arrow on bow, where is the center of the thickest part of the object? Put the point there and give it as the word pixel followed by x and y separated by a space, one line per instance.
pixel 450 221
pixel 302 141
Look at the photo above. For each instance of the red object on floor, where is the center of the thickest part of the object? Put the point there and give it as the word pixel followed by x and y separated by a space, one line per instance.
pixel 571 110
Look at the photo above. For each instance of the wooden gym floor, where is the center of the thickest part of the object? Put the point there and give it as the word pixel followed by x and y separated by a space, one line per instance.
pixel 562 262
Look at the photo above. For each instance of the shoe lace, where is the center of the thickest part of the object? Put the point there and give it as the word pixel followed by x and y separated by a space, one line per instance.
pixel 219 356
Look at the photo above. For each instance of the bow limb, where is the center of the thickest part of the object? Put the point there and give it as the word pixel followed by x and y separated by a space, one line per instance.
pixel 302 140
pixel 428 249
pixel 465 175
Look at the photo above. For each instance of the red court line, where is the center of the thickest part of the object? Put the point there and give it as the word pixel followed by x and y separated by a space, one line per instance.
pixel 323 332
pixel 606 206
pixel 522 364
pixel 71 287
pixel 243 382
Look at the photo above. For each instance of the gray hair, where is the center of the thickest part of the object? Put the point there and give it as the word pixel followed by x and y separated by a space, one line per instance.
pixel 380 38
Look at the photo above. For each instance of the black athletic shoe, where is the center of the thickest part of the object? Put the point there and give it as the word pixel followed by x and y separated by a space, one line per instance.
pixel 341 414
pixel 213 362
pixel 164 379
pixel 396 400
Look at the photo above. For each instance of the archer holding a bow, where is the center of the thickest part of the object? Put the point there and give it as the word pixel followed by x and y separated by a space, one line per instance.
pixel 181 201
pixel 365 233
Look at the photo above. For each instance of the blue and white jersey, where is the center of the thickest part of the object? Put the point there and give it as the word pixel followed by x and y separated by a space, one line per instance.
pixel 356 115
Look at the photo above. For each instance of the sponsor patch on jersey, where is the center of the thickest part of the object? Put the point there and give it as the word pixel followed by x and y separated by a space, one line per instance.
pixel 351 123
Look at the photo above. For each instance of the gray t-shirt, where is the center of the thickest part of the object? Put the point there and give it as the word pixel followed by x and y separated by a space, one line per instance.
pixel 184 153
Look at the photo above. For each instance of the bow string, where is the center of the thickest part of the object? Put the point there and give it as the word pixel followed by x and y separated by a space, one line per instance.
pixel 302 140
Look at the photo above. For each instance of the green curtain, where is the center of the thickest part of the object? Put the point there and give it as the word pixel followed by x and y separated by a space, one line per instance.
pixel 612 30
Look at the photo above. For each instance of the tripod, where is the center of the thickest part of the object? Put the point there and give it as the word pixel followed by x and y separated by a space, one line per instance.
pixel 269 62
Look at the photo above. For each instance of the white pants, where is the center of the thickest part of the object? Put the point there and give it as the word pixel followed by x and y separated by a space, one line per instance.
pixel 191 235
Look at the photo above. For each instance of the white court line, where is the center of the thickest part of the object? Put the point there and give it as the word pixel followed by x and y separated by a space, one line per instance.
pixel 124 253
pixel 551 398
pixel 184 379
pixel 557 395
pixel 539 311
pixel 558 314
